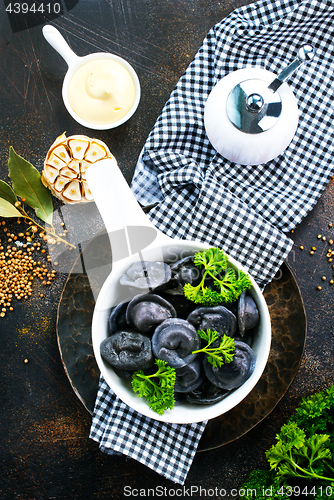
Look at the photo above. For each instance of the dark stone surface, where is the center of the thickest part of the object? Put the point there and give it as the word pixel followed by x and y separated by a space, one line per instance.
pixel 44 446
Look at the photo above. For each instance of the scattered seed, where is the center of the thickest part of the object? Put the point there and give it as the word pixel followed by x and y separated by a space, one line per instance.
pixel 314 249
pixel 319 287
pixel 323 278
pixel 26 361
pixel 18 269
pixel 301 247
pixel 319 236
pixel 324 238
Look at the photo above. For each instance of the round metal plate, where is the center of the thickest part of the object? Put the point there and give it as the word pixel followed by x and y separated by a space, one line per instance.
pixel 288 319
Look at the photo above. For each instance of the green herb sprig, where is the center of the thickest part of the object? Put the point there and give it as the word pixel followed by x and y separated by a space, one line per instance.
pixel 27 185
pixel 303 452
pixel 156 388
pixel 295 455
pixel 217 356
pixel 228 282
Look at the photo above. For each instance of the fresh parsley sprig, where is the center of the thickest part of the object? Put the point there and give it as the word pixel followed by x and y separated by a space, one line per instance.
pixel 229 284
pixel 217 356
pixel 157 388
pixel 295 455
pixel 303 453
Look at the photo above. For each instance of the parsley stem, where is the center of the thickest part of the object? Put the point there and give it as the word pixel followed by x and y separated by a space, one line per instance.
pixel 205 349
pixel 309 474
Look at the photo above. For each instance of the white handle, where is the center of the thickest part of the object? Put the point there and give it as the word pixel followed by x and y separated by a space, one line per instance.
pixel 121 213
pixel 58 42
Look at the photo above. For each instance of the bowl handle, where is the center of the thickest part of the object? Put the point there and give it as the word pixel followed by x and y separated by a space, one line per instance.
pixel 119 209
pixel 58 42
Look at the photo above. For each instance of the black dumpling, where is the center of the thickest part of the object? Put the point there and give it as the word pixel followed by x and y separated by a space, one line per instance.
pixel 189 377
pixel 217 318
pixel 206 394
pixel 174 341
pixel 146 275
pixel 248 313
pixel 184 271
pixel 234 374
pixel 146 312
pixel 117 319
pixel 127 350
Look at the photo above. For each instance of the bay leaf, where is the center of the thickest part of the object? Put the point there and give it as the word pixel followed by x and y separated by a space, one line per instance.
pixel 7 193
pixel 26 181
pixel 7 209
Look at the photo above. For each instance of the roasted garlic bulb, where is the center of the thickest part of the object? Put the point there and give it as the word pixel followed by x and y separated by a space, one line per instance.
pixel 66 163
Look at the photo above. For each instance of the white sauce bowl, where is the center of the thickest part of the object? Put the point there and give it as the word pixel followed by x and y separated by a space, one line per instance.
pixel 74 62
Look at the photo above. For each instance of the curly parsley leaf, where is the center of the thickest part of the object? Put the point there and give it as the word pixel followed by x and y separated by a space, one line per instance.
pixel 315 413
pixel 303 451
pixel 219 355
pixel 296 455
pixel 157 388
pixel 228 283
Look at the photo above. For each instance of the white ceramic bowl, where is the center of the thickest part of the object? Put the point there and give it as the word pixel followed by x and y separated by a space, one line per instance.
pixel 120 211
pixel 74 62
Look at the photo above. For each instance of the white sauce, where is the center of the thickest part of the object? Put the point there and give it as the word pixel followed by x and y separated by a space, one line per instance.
pixel 101 91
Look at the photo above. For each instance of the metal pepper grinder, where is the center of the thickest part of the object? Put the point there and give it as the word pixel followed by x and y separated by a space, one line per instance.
pixel 251 115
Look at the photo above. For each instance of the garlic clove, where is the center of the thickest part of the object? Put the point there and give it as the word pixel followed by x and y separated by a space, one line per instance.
pixel 72 191
pixel 68 172
pixel 61 152
pixel 84 165
pixel 61 183
pixel 78 147
pixel 74 165
pixel 55 161
pixel 87 191
pixel 95 152
pixel 50 173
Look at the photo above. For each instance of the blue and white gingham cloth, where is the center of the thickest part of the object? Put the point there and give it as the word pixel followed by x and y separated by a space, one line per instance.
pixel 245 210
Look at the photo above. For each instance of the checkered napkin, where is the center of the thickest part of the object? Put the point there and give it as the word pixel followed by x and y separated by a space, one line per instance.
pixel 245 210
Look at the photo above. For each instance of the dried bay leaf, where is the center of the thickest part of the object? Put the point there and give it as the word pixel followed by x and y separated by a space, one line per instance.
pixel 7 193
pixel 26 181
pixel 7 209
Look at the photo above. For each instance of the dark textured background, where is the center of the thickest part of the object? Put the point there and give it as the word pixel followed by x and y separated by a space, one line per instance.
pixel 44 447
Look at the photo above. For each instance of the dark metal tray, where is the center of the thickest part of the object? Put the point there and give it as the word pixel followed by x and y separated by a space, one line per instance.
pixel 288 319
